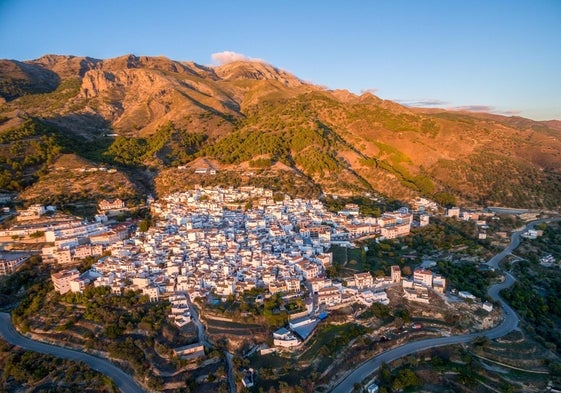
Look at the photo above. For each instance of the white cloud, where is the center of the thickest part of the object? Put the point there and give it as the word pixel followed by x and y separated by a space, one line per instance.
pixel 229 57
pixel 422 103
pixel 486 109
pixel 473 108
pixel 373 90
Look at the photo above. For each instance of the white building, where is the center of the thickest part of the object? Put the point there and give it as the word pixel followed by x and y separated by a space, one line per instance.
pixel 423 277
pixel 285 338
pixel 62 280
pixel 33 212
pixel 363 280
pixel 78 284
pixel 439 283
pixel 416 293
pixel 191 351
pixel 372 388
pixel 329 296
pixel 9 263
pixel 453 212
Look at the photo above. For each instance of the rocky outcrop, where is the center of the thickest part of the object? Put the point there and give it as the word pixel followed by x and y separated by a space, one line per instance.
pixel 254 70
pixel 67 66
pixel 95 82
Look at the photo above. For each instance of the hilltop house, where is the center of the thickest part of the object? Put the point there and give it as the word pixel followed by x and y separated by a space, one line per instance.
pixel 114 206
pixel 33 212
pixel 423 277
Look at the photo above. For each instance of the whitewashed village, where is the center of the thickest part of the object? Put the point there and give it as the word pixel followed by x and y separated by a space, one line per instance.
pixel 210 246
pixel 210 243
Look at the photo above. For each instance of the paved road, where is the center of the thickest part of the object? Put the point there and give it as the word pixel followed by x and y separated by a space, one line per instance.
pixel 125 382
pixel 509 323
pixel 200 327
pixel 515 241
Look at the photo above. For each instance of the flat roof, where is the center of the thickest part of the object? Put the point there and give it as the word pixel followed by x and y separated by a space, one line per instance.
pixel 304 331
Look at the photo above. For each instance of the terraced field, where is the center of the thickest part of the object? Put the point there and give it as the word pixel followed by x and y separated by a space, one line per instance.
pixel 219 327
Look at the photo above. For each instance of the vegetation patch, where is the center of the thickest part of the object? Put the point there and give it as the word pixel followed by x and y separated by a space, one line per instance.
pixel 21 369
pixel 331 339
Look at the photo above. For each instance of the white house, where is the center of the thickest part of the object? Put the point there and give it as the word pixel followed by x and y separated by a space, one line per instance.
pixel 285 338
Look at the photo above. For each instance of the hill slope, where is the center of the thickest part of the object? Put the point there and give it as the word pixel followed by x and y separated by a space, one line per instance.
pixel 149 116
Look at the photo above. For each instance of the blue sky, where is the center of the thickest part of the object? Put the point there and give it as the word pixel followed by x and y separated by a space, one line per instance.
pixel 499 56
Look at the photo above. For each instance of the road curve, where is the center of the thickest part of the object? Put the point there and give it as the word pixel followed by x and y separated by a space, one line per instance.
pixel 509 323
pixel 124 382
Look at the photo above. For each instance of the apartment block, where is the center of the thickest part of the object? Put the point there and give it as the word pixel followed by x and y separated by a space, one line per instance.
pixel 62 280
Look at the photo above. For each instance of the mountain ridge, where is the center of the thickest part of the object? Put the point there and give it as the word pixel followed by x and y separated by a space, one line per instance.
pixel 153 115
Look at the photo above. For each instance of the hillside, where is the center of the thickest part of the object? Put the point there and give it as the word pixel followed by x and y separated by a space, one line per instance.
pixel 151 118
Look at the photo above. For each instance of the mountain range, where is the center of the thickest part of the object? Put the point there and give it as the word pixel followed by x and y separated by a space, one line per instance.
pixel 76 129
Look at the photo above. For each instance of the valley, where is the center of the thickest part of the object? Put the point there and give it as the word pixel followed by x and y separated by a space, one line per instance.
pixel 191 228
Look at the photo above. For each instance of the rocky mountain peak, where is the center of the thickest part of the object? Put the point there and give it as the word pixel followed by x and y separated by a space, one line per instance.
pixel 255 70
pixel 66 66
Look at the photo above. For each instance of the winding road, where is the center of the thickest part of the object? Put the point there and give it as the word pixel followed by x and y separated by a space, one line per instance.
pixel 509 323
pixel 124 382
pixel 127 384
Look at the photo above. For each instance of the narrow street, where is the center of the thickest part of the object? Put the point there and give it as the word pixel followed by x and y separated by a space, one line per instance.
pixel 198 324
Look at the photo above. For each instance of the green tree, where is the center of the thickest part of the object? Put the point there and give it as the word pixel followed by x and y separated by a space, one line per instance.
pixel 127 151
pixel 37 234
pixel 405 378
pixel 445 199
pixel 144 225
